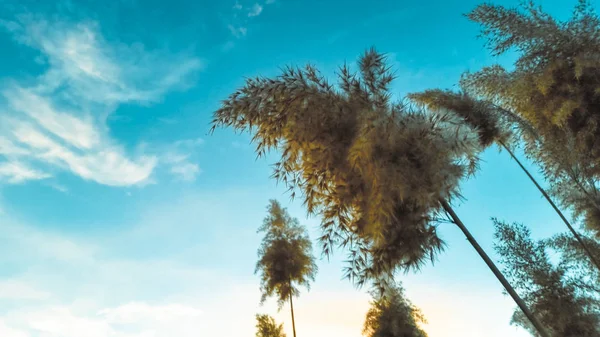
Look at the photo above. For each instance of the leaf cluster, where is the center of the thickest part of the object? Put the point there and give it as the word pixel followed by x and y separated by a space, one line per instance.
pixel 554 88
pixel 392 315
pixel 565 295
pixel 285 256
pixel 491 122
pixel 373 170
pixel 267 327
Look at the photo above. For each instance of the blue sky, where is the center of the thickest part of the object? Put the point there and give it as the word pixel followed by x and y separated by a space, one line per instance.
pixel 120 216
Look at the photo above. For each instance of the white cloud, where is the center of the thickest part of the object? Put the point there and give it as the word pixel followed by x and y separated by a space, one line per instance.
pixel 237 31
pixel 28 243
pixel 15 172
pixel 117 287
pixel 178 159
pixel 238 25
pixel 58 122
pixel 15 290
pixel 190 143
pixel 58 187
pixel 186 171
pixel 6 331
pixel 106 164
pixel 68 288
pixel 137 311
pixel 79 57
pixel 104 293
pixel 255 10
pixel 78 132
pixel 60 321
pixel 135 319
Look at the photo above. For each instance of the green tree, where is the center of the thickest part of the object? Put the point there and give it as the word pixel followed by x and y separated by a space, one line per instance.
pixel 392 315
pixel 574 258
pixel 566 298
pixel 379 174
pixel 285 257
pixel 492 124
pixel 553 87
pixel 267 327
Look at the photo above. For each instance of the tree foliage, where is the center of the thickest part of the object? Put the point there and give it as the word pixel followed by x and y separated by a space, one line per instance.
pixel 565 296
pixel 493 125
pixel 267 327
pixel 554 88
pixel 285 255
pixel 580 269
pixel 488 120
pixel 373 170
pixel 392 315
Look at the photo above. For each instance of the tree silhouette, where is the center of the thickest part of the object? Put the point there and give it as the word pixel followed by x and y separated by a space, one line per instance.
pixel 379 174
pixel 573 257
pixel 554 88
pixel 267 327
pixel 566 298
pixel 492 124
pixel 285 257
pixel 392 315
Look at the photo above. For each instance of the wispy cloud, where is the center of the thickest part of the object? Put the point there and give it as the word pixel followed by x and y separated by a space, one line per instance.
pixel 182 169
pixel 133 319
pixel 30 244
pixel 255 10
pixel 178 157
pixel 106 292
pixel 15 172
pixel 13 290
pixel 189 143
pixel 138 311
pixel 237 31
pixel 58 187
pixel 100 294
pixel 58 121
pixel 239 24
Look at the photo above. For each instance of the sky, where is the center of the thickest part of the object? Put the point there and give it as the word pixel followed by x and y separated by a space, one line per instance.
pixel 120 216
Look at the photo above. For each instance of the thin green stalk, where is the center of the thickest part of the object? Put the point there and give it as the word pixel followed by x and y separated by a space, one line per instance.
pixel 558 211
pixel 292 309
pixel 511 291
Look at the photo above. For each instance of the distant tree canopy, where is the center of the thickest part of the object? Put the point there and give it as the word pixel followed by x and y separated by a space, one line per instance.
pixel 554 88
pixel 392 315
pixel 374 171
pixel 566 296
pixel 285 255
pixel 267 327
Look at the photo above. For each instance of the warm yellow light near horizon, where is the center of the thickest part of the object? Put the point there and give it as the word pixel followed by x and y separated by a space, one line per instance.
pixel 322 314
pixel 331 314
